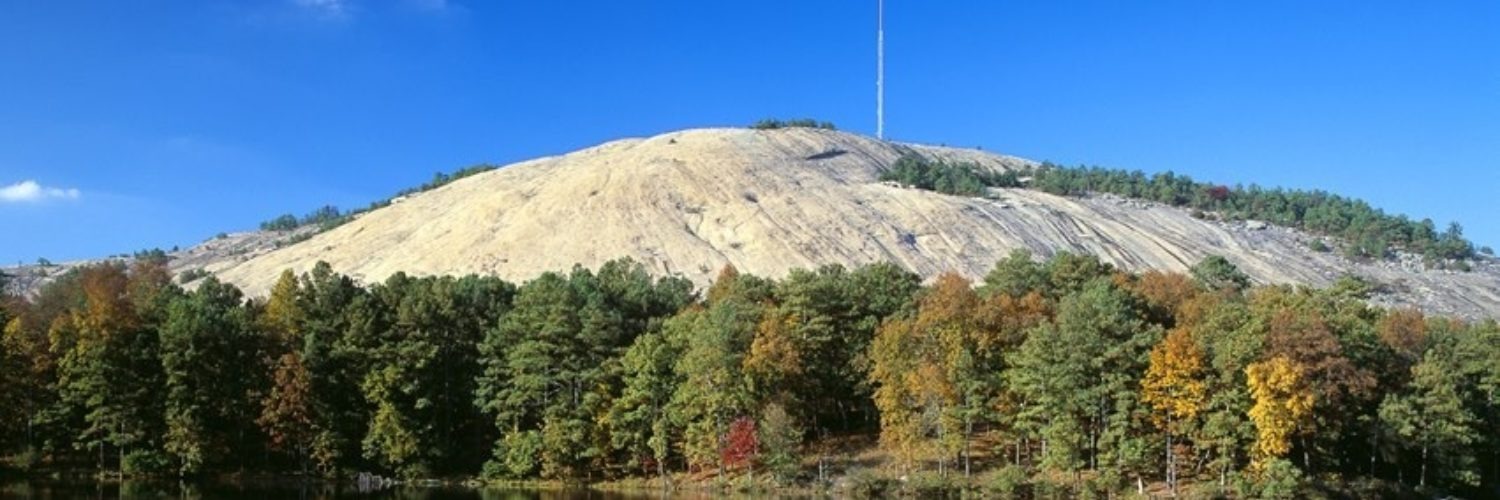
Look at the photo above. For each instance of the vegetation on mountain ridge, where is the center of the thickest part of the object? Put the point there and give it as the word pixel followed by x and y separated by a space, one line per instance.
pixel 329 216
pixel 773 124
pixel 1365 232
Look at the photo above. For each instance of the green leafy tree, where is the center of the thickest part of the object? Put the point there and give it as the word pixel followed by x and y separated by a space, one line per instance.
pixel 1017 274
pixel 337 409
pixel 551 365
pixel 110 376
pixel 641 426
pixel 1433 417
pixel 714 390
pixel 1217 273
pixel 423 360
pixel 210 358
pixel 780 440
pixel 1078 375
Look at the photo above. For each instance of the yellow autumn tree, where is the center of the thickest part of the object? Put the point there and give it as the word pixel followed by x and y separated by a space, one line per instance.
pixel 906 384
pixel 774 363
pixel 1283 404
pixel 1173 387
pixel 950 316
pixel 928 371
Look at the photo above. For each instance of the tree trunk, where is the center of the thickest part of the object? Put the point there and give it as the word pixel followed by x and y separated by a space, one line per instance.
pixel 1171 464
pixel 1423 480
pixel 968 431
pixel 1306 456
pixel 719 433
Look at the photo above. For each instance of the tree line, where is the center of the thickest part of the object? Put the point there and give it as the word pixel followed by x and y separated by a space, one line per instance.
pixel 329 216
pixel 775 124
pixel 1064 372
pixel 1364 231
pixel 955 178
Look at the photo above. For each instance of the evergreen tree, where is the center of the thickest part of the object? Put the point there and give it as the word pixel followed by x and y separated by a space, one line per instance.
pixel 337 409
pixel 714 391
pixel 110 373
pixel 1077 376
pixel 641 426
pixel 1433 418
pixel 210 356
pixel 423 363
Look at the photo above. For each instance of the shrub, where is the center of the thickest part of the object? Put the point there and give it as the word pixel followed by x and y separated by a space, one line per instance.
pixel 932 485
pixel 144 463
pixel 962 179
pixel 1277 479
pixel 865 483
pixel 27 460
pixel 440 179
pixel 329 216
pixel 1217 273
pixel 1008 482
pixel 1052 487
pixel 779 438
pixel 518 455
pixel 284 222
pixel 191 275
pixel 740 444
pixel 773 124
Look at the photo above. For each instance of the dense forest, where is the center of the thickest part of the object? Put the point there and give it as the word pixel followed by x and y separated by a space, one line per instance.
pixel 1062 375
pixel 1365 232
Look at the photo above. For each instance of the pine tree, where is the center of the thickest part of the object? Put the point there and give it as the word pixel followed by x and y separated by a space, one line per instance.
pixel 714 390
pixel 209 355
pixel 1432 416
pixel 640 423
pixel 110 375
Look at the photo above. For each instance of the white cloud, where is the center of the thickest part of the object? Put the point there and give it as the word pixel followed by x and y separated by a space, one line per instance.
pixel 30 191
pixel 326 8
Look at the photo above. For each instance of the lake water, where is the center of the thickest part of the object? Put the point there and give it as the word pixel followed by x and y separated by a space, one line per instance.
pixel 86 488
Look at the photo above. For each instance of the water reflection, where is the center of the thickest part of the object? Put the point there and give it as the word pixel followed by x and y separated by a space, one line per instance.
pixel 88 488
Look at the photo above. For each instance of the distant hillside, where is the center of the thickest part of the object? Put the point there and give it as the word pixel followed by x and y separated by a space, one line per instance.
pixel 767 201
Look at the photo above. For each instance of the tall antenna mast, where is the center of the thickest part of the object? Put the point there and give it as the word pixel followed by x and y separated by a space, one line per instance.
pixel 880 71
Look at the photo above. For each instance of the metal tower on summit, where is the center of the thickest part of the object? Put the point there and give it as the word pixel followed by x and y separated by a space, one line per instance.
pixel 880 70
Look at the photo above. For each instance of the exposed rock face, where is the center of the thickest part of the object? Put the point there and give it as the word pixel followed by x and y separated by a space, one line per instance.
pixel 767 201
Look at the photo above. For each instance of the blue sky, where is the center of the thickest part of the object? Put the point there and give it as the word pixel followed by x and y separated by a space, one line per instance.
pixel 152 123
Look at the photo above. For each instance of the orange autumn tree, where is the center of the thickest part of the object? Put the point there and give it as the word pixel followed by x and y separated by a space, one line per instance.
pixel 905 385
pixel 932 376
pixel 1173 387
pixel 775 358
